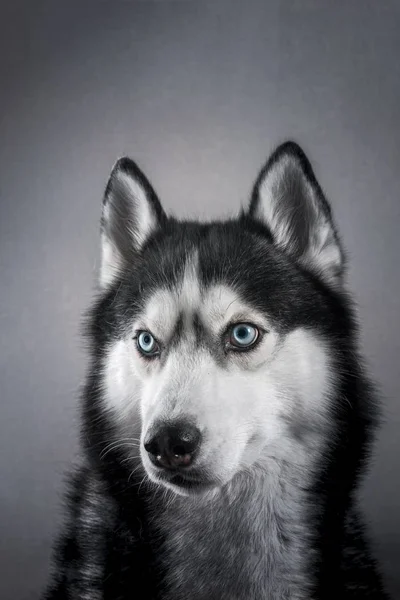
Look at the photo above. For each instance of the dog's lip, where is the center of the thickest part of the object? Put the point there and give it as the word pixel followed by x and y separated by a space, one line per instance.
pixel 184 481
pixel 187 481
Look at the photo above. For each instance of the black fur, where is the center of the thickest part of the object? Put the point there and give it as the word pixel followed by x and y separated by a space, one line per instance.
pixel 110 548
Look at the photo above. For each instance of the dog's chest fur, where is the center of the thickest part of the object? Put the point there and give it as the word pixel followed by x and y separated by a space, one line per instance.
pixel 248 542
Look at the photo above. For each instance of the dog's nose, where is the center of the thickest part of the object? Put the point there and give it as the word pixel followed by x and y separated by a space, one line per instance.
pixel 173 446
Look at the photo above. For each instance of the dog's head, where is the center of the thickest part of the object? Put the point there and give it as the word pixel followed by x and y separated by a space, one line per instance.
pixel 216 337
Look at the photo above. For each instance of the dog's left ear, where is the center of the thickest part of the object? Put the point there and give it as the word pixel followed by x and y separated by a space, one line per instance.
pixel 132 213
pixel 289 201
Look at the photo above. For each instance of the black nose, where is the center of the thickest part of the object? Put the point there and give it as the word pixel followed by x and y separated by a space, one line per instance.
pixel 174 445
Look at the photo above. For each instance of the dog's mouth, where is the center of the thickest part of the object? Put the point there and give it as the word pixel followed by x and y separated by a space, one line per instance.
pixel 187 484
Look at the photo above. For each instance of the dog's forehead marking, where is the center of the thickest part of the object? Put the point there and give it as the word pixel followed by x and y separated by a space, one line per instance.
pixel 223 304
pixel 213 306
pixel 166 305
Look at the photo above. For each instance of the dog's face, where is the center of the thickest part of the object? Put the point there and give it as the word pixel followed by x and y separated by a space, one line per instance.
pixel 217 341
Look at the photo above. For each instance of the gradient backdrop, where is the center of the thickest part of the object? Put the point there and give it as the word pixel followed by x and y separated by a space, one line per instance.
pixel 198 93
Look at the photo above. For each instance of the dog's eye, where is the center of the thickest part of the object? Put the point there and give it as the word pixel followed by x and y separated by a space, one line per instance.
pixel 146 344
pixel 243 335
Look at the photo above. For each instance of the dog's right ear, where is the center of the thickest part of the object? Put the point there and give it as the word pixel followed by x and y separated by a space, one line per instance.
pixel 131 214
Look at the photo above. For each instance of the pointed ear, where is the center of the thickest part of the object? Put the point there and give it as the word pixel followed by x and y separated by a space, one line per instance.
pixel 289 201
pixel 131 214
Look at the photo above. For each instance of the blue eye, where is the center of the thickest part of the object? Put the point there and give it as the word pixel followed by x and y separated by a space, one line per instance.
pixel 243 335
pixel 147 344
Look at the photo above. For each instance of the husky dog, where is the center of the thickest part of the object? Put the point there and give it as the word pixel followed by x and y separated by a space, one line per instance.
pixel 226 415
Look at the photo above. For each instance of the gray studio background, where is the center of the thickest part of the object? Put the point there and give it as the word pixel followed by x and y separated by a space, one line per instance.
pixel 198 93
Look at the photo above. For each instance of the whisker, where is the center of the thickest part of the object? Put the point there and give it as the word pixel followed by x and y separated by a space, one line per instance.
pixel 115 445
pixel 134 471
pixel 124 460
pixel 141 483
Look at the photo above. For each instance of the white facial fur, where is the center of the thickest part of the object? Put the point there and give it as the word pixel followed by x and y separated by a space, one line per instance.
pixel 252 407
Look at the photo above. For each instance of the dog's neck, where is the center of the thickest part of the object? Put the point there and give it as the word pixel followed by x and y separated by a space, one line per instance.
pixel 250 540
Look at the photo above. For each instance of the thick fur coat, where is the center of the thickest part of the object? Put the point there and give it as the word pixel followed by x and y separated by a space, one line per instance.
pixel 226 417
